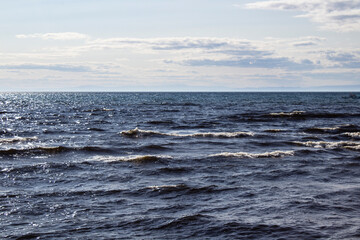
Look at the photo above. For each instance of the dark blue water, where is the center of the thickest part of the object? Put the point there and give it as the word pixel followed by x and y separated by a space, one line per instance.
pixel 179 165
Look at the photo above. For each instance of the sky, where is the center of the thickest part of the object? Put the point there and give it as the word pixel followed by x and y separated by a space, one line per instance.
pixel 180 45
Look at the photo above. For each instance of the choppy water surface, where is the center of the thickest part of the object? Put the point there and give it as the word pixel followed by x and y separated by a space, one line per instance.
pixel 179 165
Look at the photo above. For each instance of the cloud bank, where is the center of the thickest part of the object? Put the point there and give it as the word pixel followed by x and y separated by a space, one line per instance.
pixel 183 63
pixel 54 67
pixel 55 36
pixel 334 15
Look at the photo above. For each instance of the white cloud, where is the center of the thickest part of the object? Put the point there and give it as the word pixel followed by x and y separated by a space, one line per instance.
pixel 294 53
pixel 141 63
pixel 53 67
pixel 190 43
pixel 55 36
pixel 307 41
pixel 335 15
pixel 291 53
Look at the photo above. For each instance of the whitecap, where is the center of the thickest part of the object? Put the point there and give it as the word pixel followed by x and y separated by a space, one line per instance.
pixel 352 134
pixel 155 187
pixel 324 144
pixel 220 134
pixel 136 132
pixel 254 155
pixel 131 158
pixel 17 139
pixel 287 113
pixel 139 132
pixel 355 147
pixel 327 128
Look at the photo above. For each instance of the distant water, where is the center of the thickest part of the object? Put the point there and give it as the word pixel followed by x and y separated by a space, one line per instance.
pixel 179 165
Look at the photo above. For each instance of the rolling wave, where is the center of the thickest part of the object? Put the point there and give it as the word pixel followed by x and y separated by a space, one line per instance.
pixel 17 139
pixel 306 115
pixel 286 114
pixel 352 134
pixel 164 187
pixel 100 110
pixel 334 130
pixel 331 145
pixel 132 158
pixel 144 133
pixel 71 193
pixel 274 130
pixel 64 166
pixel 186 189
pixel 294 115
pixel 273 154
pixel 48 150
pixel 321 129
pixel 220 134
pixel 136 132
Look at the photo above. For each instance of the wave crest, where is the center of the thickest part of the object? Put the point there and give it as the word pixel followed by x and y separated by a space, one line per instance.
pixel 352 134
pixel 220 134
pixel 273 154
pixel 274 130
pixel 136 132
pixel 287 113
pixel 40 150
pixel 144 133
pixel 17 139
pixel 346 128
pixel 132 158
pixel 167 187
pixel 331 145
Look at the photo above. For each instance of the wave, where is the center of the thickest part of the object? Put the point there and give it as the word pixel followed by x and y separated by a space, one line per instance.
pixel 35 150
pixel 221 134
pixel 144 133
pixel 304 115
pixel 282 114
pixel 168 187
pixel 273 154
pixel 136 132
pixel 274 130
pixel 335 129
pixel 294 115
pixel 132 158
pixel 17 139
pixel 64 166
pixel 186 189
pixel 332 145
pixel 100 110
pixel 321 129
pixel 48 150
pixel 65 193
pixel 352 134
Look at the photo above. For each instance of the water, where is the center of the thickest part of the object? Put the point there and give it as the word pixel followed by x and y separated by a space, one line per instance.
pixel 179 165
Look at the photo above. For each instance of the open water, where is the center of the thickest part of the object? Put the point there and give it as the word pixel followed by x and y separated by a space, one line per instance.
pixel 179 166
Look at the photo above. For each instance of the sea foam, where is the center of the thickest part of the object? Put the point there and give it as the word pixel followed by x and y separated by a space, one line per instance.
pixel 352 134
pixel 132 158
pixel 143 133
pixel 273 154
pixel 331 145
pixel 17 139
pixel 287 113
